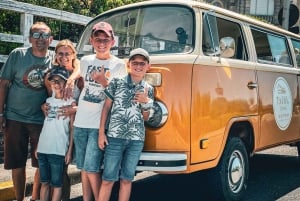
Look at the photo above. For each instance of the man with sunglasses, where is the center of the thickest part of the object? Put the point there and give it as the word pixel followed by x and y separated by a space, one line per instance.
pixel 22 92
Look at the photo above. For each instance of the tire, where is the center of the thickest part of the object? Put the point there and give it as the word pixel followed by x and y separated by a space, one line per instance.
pixel 298 149
pixel 229 179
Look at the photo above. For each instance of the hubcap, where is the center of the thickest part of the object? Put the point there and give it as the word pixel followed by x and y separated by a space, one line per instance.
pixel 236 171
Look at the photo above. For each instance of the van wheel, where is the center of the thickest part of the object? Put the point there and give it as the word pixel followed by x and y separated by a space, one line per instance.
pixel 229 178
pixel 298 149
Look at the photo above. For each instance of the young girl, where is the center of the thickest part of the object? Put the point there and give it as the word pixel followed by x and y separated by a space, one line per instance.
pixel 56 140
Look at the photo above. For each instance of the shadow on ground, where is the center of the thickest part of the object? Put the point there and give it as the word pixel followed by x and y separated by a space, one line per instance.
pixel 271 178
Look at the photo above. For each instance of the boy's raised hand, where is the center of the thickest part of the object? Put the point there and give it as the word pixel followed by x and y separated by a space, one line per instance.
pixel 99 77
pixel 141 96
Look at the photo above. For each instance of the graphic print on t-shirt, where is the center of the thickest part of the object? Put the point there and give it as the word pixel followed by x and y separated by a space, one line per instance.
pixel 94 91
pixel 52 113
pixel 34 76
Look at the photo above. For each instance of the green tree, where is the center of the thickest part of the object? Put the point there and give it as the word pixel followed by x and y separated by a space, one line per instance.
pixel 60 30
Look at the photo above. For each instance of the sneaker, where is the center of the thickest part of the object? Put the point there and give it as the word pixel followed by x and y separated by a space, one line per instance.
pixel 29 199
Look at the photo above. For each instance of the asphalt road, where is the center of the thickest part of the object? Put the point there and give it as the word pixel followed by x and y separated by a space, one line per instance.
pixel 274 175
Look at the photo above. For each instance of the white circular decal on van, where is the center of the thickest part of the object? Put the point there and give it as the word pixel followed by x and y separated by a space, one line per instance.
pixel 282 103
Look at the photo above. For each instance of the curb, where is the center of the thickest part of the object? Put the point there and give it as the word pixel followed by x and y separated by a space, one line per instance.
pixel 7 189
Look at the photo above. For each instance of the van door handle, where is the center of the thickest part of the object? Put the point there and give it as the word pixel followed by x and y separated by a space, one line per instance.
pixel 252 85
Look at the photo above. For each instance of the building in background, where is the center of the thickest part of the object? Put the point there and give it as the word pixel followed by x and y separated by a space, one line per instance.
pixel 267 10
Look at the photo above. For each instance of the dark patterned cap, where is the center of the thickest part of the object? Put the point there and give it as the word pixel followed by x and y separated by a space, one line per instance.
pixel 59 71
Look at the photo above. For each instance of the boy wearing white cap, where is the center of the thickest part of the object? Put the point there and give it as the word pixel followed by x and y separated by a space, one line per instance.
pixel 96 70
pixel 128 100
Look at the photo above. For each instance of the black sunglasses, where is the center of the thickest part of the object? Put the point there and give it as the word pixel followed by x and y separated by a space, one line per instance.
pixel 58 81
pixel 37 35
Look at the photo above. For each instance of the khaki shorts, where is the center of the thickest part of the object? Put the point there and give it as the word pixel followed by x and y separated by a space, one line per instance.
pixel 17 138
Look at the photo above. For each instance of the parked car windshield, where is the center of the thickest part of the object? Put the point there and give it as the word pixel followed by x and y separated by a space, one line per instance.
pixel 158 29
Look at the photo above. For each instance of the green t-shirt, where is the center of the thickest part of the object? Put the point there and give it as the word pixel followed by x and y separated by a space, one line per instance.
pixel 27 92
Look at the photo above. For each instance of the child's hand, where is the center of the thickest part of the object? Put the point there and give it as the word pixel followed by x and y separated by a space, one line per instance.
pixel 68 158
pixel 102 141
pixel 141 96
pixel 99 77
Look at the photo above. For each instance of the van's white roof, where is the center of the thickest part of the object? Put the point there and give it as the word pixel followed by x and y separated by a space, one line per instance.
pixel 206 6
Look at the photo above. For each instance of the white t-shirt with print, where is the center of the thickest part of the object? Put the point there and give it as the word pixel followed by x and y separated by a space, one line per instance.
pixel 92 96
pixel 54 138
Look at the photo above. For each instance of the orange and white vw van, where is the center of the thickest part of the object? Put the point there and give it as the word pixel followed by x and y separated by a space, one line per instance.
pixel 226 86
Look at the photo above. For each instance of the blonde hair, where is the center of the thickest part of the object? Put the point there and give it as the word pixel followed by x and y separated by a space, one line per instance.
pixel 67 43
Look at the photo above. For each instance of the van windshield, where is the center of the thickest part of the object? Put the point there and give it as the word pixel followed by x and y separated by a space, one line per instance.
pixel 158 29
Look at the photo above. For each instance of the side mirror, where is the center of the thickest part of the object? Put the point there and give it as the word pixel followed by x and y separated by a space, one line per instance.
pixel 227 47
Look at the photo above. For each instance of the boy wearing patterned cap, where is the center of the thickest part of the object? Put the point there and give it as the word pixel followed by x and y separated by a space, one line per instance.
pixel 55 145
pixel 96 70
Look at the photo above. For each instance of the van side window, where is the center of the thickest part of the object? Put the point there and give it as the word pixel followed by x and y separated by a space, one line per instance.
pixel 225 28
pixel 271 48
pixel 296 45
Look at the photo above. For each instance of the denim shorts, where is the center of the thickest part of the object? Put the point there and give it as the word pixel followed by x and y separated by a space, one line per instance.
pixel 51 169
pixel 89 156
pixel 121 158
